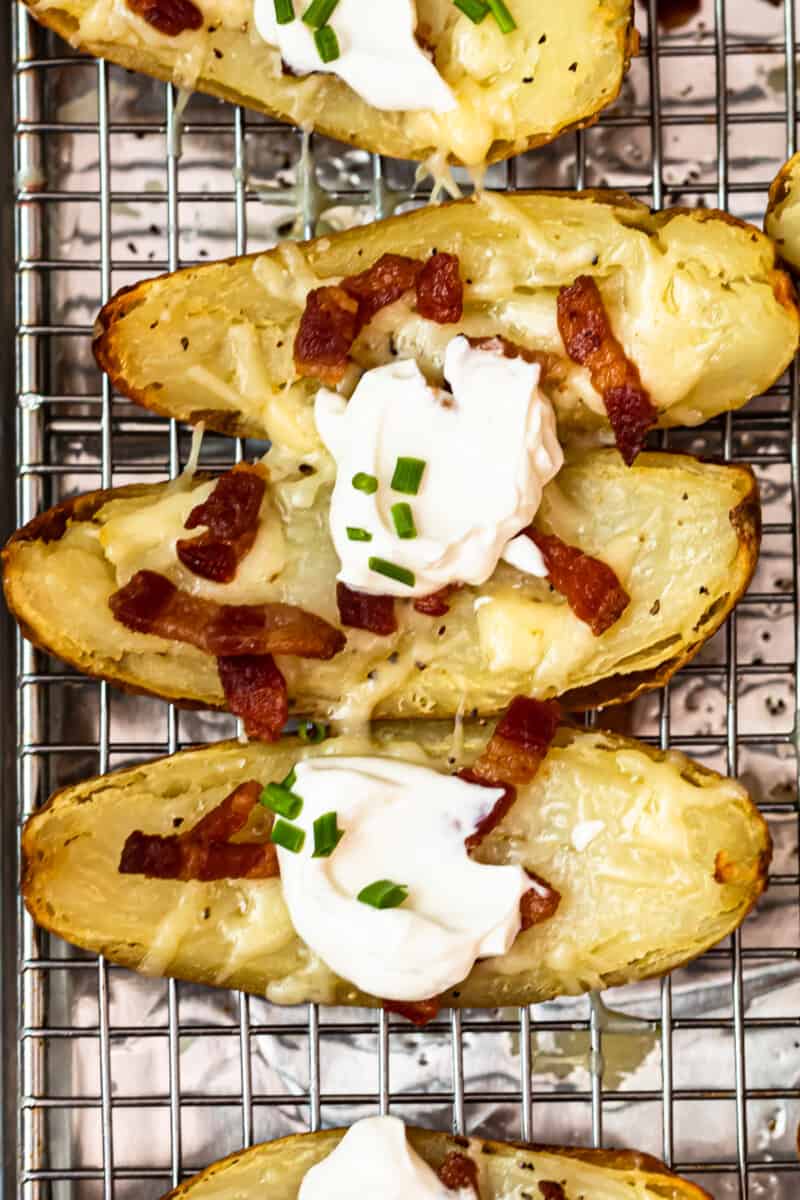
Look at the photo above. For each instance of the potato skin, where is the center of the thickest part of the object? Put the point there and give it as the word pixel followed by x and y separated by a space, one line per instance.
pixel 641 1169
pixel 782 219
pixel 70 850
pixel 334 110
pixel 616 688
pixel 126 343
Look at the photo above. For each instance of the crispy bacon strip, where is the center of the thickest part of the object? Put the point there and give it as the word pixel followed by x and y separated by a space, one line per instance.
pixel 520 741
pixel 459 1171
pixel 170 17
pixel 204 852
pixel 328 327
pixel 359 610
pixel 255 690
pixel 591 588
pixel 440 292
pixel 382 284
pixel 437 603
pixel 231 515
pixel 150 603
pixel 539 903
pixel 419 1012
pixel 588 338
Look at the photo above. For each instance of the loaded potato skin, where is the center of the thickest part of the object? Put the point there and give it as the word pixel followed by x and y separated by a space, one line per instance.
pixel 602 818
pixel 554 73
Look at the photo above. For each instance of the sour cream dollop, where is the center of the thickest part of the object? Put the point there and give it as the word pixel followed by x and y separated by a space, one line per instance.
pixel 375 1158
pixel 489 448
pixel 405 823
pixel 380 57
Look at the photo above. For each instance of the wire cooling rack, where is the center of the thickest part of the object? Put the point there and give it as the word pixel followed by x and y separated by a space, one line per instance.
pixel 118 1085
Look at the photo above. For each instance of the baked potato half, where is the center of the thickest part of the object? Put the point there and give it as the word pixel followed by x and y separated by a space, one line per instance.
pixel 555 73
pixel 782 221
pixel 663 821
pixel 681 535
pixel 693 296
pixel 276 1169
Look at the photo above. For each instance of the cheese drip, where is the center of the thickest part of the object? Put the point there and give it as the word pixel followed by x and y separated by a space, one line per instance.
pixel 379 56
pixel 374 1158
pixel 489 448
pixel 404 823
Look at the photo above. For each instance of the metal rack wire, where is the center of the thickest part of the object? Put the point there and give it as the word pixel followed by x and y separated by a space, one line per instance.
pixel 120 1084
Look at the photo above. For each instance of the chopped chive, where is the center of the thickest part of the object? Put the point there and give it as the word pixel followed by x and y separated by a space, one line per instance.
pixel 312 732
pixel 290 780
pixel 403 520
pixel 383 894
pixel 407 476
pixel 281 800
pixel 288 836
pixel 327 43
pixel 327 835
pixel 476 10
pixel 502 16
pixel 284 11
pixel 364 483
pixel 319 13
pixel 392 571
pixel 356 534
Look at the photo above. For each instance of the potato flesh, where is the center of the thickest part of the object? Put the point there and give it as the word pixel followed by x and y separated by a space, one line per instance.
pixel 664 526
pixel 276 1170
pixel 694 299
pixel 663 823
pixel 497 112
pixel 782 221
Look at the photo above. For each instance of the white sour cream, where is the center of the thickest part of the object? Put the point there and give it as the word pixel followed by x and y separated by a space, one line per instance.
pixel 379 58
pixel 489 449
pixel 406 823
pixel 375 1158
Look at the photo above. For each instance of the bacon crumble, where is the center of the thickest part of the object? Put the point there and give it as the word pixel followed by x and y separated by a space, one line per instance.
pixel 328 327
pixel 204 852
pixel 519 743
pixel 590 586
pixel 440 292
pixel 170 17
pixel 382 284
pixel 419 1012
pixel 437 603
pixel 539 903
pixel 589 341
pixel 459 1171
pixel 501 345
pixel 231 515
pixel 360 610
pixel 255 690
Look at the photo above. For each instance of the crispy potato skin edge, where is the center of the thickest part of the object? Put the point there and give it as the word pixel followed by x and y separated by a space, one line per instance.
pixel 84 793
pixel 130 59
pixel 621 1160
pixel 778 191
pixel 618 689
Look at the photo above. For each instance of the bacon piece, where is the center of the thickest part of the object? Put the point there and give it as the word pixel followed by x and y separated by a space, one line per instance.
pixel 362 611
pixel 520 741
pixel 551 1190
pixel 499 810
pixel 591 588
pixel 328 327
pixel 170 17
pixel 537 906
pixel 419 1012
pixel 382 284
pixel 231 515
pixel 509 349
pixel 440 292
pixel 437 603
pixel 588 338
pixel 459 1171
pixel 150 603
pixel 255 690
pixel 204 852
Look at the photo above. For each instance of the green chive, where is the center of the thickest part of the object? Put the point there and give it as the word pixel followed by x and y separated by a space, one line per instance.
pixel 383 894
pixel 476 10
pixel 284 11
pixel 312 732
pixel 319 13
pixel 281 800
pixel 290 780
pixel 364 483
pixel 356 534
pixel 407 476
pixel 391 570
pixel 502 16
pixel 404 520
pixel 327 835
pixel 327 43
pixel 288 836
